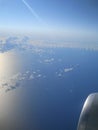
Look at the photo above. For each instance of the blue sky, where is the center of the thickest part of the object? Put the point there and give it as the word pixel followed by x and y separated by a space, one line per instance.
pixel 67 19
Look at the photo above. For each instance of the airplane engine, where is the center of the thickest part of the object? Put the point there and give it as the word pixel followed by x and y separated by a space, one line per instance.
pixel 89 115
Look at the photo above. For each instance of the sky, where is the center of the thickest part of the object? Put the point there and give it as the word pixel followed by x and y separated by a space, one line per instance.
pixel 66 19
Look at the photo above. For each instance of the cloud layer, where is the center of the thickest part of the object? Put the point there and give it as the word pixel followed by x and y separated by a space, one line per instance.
pixel 27 42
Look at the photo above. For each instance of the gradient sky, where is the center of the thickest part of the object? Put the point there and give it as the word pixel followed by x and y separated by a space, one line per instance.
pixel 64 18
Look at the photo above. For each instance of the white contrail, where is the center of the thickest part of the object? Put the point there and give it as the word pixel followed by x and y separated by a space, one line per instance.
pixel 32 11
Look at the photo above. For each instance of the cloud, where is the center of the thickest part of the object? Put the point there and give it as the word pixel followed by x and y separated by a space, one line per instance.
pixel 12 83
pixel 31 77
pixel 61 72
pixel 49 60
pixel 39 75
pixel 9 43
pixel 37 46
pixel 15 80
pixel 68 69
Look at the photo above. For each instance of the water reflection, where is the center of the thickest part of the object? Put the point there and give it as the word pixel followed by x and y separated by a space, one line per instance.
pixel 17 67
pixel 16 110
pixel 10 66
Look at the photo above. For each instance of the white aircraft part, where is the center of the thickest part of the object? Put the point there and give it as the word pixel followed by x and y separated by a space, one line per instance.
pixel 89 115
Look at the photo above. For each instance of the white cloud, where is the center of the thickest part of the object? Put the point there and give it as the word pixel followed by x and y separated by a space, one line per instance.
pixel 12 82
pixel 15 80
pixel 49 60
pixel 31 77
pixel 59 74
pixel 7 43
pixel 68 69
pixel 39 75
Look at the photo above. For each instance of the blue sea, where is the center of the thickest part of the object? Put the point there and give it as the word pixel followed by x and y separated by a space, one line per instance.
pixel 44 88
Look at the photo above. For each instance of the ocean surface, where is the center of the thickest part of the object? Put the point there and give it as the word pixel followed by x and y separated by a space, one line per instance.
pixel 45 88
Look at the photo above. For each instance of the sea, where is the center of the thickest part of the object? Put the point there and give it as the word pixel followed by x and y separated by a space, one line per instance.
pixel 44 88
